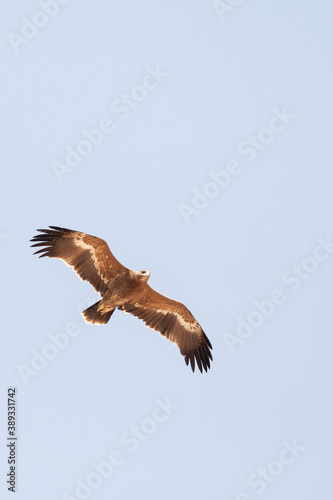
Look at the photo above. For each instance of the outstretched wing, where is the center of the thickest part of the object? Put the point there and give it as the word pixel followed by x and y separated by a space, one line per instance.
pixel 173 320
pixel 90 257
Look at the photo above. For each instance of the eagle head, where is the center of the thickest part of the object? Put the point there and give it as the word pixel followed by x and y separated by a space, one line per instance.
pixel 143 275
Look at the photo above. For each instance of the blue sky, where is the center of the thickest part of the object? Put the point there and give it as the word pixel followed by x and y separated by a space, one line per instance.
pixel 195 138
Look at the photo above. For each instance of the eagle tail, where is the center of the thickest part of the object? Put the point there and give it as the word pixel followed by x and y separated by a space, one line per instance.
pixel 94 315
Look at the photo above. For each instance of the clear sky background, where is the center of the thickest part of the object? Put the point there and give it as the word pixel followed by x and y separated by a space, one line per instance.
pixel 196 139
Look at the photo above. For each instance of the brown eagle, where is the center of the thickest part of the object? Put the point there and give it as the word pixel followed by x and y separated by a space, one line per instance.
pixel 125 290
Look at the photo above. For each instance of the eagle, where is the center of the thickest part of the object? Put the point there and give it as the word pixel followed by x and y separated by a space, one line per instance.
pixel 126 290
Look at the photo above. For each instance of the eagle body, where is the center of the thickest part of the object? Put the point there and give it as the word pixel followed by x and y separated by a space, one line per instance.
pixel 120 290
pixel 125 290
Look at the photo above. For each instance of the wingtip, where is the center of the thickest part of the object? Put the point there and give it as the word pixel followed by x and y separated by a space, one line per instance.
pixel 199 358
pixel 61 229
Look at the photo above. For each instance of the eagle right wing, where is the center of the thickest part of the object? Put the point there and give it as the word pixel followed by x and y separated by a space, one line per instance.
pixel 90 257
pixel 174 321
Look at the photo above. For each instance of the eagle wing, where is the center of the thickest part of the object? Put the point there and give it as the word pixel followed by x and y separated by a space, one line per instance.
pixel 90 257
pixel 173 320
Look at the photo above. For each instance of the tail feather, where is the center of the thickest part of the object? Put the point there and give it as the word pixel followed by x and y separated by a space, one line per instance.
pixel 93 315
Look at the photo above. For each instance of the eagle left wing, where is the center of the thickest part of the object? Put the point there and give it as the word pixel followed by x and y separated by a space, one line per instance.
pixel 174 321
pixel 90 257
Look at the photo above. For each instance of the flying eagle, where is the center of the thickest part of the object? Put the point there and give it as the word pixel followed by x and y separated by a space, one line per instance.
pixel 125 290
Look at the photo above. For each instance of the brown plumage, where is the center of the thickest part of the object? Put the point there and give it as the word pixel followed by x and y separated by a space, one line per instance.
pixel 126 290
